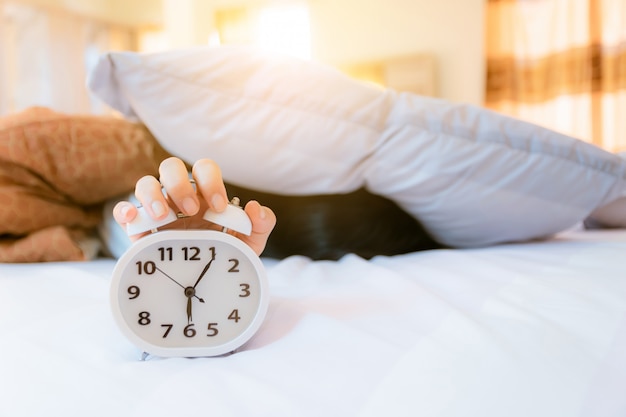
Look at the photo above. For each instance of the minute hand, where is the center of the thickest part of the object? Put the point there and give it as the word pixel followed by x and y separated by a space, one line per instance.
pixel 204 271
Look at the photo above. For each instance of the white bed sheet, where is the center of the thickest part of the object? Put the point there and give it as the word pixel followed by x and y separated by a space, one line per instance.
pixel 536 329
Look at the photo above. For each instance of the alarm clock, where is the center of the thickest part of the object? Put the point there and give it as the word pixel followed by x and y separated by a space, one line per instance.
pixel 189 293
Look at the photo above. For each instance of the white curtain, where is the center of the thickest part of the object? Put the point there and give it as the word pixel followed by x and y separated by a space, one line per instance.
pixel 46 53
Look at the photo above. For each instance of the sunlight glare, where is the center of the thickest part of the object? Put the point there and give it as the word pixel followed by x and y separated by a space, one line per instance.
pixel 285 29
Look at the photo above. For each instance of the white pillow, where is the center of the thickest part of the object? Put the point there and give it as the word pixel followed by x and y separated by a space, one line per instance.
pixel 282 125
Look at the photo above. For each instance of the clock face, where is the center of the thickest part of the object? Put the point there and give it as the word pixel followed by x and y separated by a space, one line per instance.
pixel 189 293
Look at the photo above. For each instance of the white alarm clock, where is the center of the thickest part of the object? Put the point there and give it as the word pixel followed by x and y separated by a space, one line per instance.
pixel 189 293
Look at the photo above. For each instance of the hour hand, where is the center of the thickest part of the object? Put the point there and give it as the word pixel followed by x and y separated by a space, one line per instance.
pixel 190 293
pixel 189 318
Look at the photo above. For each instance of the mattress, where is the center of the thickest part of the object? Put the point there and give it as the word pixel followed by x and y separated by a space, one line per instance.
pixel 533 329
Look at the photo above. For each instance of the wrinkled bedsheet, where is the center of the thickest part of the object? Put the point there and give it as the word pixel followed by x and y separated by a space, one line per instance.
pixel 535 329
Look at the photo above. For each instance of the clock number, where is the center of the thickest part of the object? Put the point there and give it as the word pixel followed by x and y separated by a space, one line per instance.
pixel 234 315
pixel 167 331
pixel 144 318
pixel 245 290
pixel 212 328
pixel 148 268
pixel 166 254
pixel 235 267
pixel 189 331
pixel 193 251
pixel 133 290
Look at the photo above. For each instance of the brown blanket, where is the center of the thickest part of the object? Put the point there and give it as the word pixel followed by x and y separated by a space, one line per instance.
pixel 56 171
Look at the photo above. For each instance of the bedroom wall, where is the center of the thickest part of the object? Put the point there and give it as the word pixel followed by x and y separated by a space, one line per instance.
pixel 343 31
pixel 349 31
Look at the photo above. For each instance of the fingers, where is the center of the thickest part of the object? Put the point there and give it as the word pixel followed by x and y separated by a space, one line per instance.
pixel 263 221
pixel 208 177
pixel 175 180
pixel 124 212
pixel 209 191
pixel 148 192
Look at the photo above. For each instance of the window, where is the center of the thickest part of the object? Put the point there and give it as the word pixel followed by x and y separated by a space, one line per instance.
pixel 279 28
pixel 46 54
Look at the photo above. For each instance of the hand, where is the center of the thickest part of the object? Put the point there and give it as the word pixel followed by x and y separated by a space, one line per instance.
pixel 211 192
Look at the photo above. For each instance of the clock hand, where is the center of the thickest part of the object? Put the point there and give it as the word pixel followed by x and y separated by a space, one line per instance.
pixel 180 285
pixel 204 271
pixel 189 319
pixel 191 291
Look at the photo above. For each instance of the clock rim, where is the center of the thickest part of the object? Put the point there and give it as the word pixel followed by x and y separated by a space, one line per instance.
pixel 162 351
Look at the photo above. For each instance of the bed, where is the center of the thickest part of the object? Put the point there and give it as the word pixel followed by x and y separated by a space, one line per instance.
pixel 533 329
pixel 489 328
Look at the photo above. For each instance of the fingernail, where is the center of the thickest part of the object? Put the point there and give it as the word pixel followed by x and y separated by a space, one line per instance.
pixel 124 210
pixel 262 213
pixel 158 208
pixel 190 206
pixel 217 201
